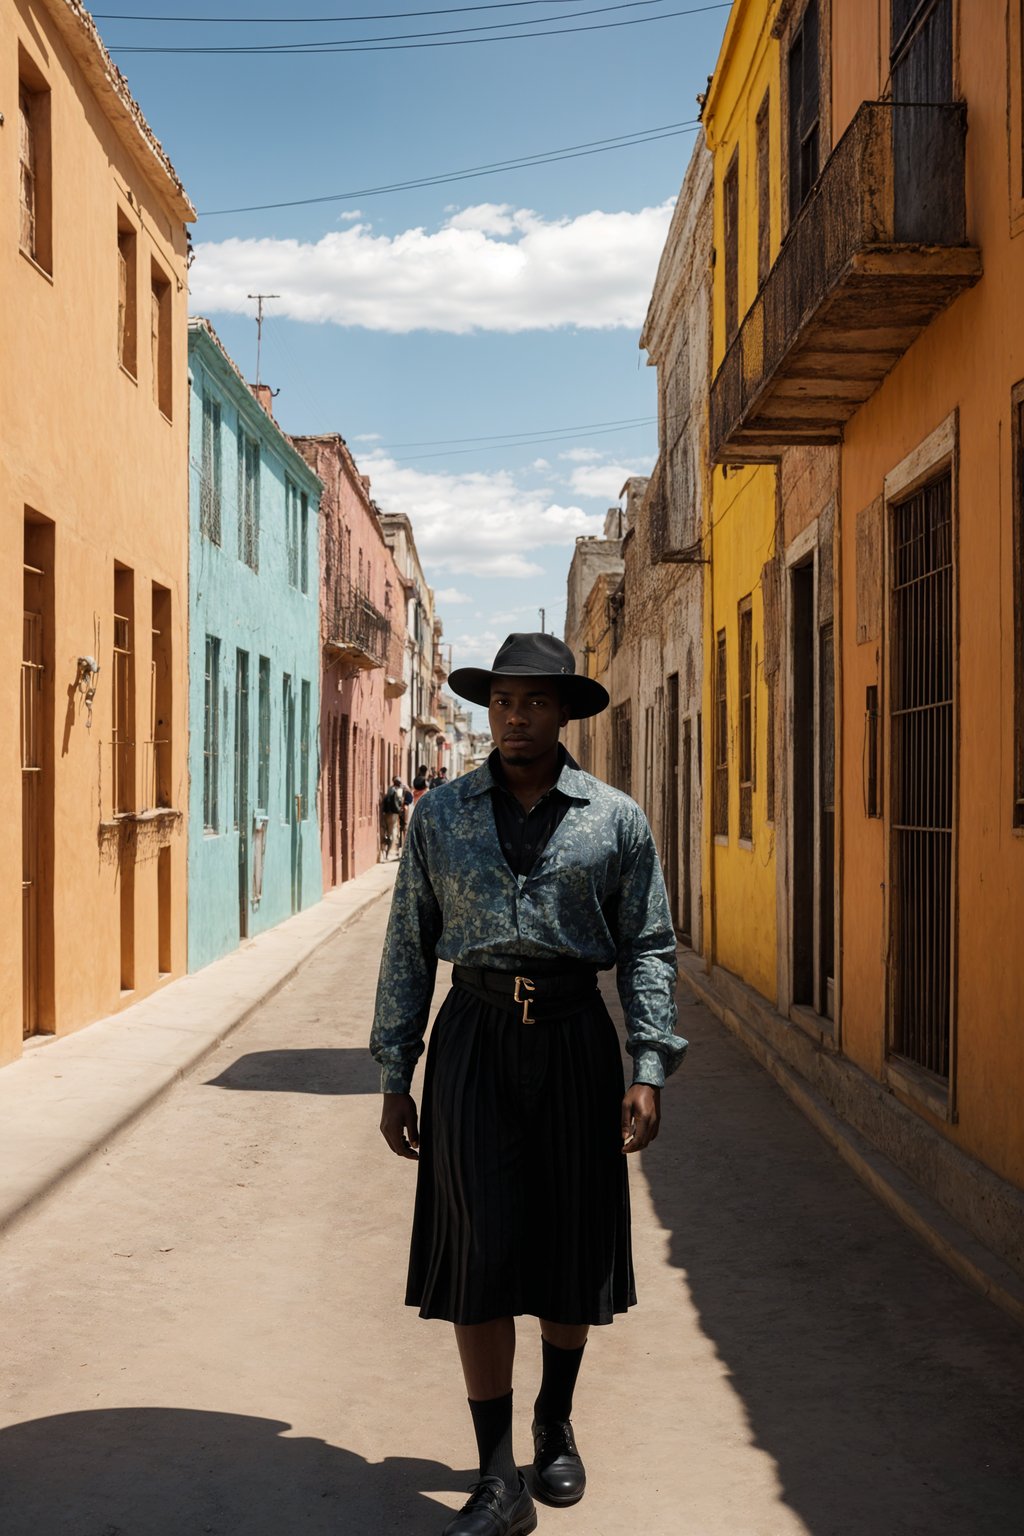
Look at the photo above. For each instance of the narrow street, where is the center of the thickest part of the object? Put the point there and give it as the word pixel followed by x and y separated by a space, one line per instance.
pixel 204 1332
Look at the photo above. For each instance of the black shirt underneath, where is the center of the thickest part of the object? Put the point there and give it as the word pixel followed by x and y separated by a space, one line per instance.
pixel 524 835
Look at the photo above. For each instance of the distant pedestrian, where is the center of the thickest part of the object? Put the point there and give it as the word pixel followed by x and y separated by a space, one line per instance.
pixel 420 784
pixel 530 876
pixel 392 808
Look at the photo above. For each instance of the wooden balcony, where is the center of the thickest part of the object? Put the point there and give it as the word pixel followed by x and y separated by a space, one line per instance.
pixel 877 251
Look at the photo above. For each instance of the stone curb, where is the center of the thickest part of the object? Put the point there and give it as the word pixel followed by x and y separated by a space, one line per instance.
pixel 949 1241
pixel 68 1099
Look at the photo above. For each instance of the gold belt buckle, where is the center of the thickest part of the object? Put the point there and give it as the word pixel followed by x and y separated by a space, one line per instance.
pixel 524 981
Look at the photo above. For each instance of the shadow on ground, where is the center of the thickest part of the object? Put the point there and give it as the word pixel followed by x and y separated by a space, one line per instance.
pixel 888 1394
pixel 175 1472
pixel 320 1070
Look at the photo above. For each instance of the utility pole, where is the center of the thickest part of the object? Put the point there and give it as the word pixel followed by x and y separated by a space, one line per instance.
pixel 259 297
pixel 542 629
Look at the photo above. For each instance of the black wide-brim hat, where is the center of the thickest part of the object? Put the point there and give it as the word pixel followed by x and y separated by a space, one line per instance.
pixel 533 656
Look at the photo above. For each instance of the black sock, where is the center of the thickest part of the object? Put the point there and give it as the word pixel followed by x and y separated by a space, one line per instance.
pixel 561 1367
pixel 492 1421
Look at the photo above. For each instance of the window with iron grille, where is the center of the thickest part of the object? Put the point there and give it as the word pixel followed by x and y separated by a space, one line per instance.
pixel 746 754
pixel 649 761
pixel 1018 605
pixel 731 232
pixel 304 542
pixel 288 733
pixel 211 736
pixel 210 500
pixel 263 740
pixel 304 751
pixel 122 714
pixel 249 500
pixel 721 784
pixel 622 746
pixel 34 169
pixel 804 81
pixel 764 189
pixel 291 518
pixel 921 769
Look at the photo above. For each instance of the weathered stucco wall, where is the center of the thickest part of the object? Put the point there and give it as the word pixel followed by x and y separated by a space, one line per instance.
pixel 87 452
pixel 262 614
pixel 361 712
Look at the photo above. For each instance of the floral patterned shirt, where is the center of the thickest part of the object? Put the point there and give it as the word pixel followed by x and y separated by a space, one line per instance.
pixel 595 894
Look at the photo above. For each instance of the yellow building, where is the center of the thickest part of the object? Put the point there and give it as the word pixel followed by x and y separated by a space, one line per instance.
pixel 739 877
pixel 94 516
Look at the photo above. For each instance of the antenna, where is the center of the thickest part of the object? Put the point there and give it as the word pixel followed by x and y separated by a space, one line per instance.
pixel 541 612
pixel 259 297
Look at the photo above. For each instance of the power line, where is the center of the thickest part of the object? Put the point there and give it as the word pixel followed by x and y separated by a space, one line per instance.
pixel 566 437
pixel 368 45
pixel 529 432
pixel 306 21
pixel 389 37
pixel 473 172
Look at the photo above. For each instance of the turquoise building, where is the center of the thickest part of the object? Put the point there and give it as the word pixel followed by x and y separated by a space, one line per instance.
pixel 254 696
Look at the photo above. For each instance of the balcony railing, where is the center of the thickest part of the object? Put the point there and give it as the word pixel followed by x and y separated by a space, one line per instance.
pixel 355 629
pixel 876 252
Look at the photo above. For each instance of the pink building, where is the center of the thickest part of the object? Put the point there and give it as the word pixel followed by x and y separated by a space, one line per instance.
pixel 362 635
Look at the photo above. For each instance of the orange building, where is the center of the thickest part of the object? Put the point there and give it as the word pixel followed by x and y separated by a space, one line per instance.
pixel 94 516
pixel 889 330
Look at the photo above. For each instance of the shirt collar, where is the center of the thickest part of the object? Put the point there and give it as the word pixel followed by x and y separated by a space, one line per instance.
pixel 571 781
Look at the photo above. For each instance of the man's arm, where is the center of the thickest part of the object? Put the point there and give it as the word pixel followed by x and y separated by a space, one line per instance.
pixel 408 967
pixel 646 963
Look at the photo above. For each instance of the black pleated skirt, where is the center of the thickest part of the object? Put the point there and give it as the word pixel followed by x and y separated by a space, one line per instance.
pixel 522 1194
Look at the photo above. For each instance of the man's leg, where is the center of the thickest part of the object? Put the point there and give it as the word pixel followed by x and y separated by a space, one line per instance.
pixel 487 1352
pixel 559 1474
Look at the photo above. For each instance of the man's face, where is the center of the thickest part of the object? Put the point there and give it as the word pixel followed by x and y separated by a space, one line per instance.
pixel 526 715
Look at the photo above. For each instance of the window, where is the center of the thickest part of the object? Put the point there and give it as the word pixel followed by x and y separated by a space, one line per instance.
pixel 161 694
pixel 34 167
pixel 1018 605
pixel 161 338
pixel 804 109
pixel 746 762
pixel 211 736
pixel 304 751
pixel 263 763
pixel 291 518
pixel 123 732
pixel 622 746
pixel 649 747
pixel 249 500
pixel 127 296
pixel 764 190
pixel 721 787
pixel 210 488
pixel 304 543
pixel 240 808
pixel 288 731
pixel 731 226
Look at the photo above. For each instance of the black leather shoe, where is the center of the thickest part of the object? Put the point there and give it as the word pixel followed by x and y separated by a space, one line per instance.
pixel 494 1510
pixel 559 1476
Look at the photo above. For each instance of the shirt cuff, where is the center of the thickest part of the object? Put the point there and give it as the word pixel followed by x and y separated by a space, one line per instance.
pixel 394 1081
pixel 649 1067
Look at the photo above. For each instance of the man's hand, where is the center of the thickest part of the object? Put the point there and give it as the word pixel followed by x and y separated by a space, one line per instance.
pixel 641 1116
pixel 398 1124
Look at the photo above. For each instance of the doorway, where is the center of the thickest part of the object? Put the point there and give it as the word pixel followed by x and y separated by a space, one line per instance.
pixel 242 787
pixel 37 704
pixel 812 797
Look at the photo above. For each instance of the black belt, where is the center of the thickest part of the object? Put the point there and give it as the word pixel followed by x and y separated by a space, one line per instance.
pixel 515 992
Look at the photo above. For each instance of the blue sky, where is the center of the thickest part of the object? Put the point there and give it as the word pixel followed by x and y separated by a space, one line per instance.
pixel 508 304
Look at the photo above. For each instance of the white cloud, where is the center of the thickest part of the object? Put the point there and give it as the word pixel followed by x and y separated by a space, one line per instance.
pixel 474 523
pixel 452 596
pixel 604 481
pixel 540 464
pixel 367 437
pixel 350 215
pixel 582 455
pixel 487 268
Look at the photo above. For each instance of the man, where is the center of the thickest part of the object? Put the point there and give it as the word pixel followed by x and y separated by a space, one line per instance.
pixel 530 876
pixel 393 812
pixel 420 784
